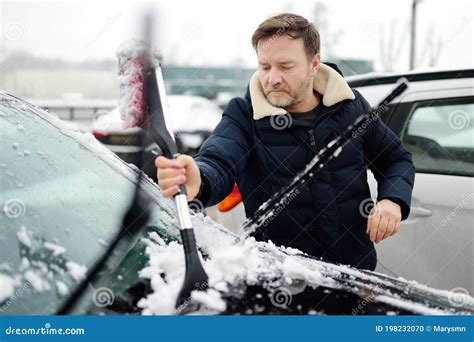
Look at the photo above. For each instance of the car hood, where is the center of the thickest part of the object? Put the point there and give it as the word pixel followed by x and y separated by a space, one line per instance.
pixel 259 277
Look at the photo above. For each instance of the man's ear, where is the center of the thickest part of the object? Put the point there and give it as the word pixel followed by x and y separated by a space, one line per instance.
pixel 315 64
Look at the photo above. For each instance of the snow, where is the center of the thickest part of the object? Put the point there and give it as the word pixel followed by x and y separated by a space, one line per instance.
pixel 62 288
pixel 337 152
pixel 77 271
pixel 7 287
pixel 15 145
pixel 133 56
pixel 211 299
pixel 24 237
pixel 228 264
pixel 56 249
pixel 251 262
pixel 131 48
pixel 295 270
pixel 38 283
pixel 291 251
pixel 162 259
pixel 233 264
pixel 156 238
pixel 411 306
pixel 25 263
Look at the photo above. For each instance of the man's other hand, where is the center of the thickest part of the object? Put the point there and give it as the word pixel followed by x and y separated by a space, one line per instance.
pixel 384 220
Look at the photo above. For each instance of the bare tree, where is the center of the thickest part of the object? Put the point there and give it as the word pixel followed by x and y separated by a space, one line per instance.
pixel 391 44
pixel 331 36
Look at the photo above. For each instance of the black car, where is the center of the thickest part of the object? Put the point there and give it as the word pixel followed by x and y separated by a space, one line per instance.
pixel 63 197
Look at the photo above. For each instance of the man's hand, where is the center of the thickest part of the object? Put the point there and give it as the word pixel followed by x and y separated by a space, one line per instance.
pixel 172 173
pixel 384 220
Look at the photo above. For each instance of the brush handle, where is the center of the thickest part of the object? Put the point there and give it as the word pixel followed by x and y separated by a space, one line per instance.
pixel 182 208
pixel 181 201
pixel 195 278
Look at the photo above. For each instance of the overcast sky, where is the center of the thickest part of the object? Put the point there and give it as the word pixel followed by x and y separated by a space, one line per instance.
pixel 209 32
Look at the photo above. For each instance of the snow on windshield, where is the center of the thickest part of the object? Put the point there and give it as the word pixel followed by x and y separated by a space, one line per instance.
pixel 41 262
pixel 254 263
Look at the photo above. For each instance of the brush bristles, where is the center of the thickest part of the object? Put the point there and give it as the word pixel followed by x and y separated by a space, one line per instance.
pixel 133 101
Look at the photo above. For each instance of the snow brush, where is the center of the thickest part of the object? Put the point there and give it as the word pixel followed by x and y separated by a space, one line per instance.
pixel 143 104
pixel 332 150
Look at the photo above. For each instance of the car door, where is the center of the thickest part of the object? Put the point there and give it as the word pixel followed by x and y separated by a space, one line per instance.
pixel 435 244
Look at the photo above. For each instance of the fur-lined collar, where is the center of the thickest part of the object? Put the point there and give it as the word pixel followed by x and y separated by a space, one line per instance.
pixel 328 82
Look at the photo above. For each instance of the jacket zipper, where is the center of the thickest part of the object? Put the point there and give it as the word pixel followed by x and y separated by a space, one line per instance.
pixel 312 141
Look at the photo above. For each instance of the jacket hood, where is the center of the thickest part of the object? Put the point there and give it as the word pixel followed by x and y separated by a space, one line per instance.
pixel 328 82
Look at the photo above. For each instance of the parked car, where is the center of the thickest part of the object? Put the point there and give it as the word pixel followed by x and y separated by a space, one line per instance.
pixel 435 120
pixel 63 196
pixel 194 118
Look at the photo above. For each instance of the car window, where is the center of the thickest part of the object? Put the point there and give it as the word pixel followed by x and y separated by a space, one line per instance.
pixel 61 204
pixel 440 136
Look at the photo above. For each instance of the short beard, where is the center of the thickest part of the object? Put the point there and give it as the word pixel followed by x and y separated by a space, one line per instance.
pixel 293 99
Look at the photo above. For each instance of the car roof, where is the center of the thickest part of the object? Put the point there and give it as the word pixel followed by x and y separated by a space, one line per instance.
pixel 377 78
pixel 422 85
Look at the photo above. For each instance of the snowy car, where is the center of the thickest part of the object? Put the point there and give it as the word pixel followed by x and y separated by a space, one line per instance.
pixel 64 195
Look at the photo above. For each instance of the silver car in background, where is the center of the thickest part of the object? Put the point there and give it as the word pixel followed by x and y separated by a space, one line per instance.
pixel 434 119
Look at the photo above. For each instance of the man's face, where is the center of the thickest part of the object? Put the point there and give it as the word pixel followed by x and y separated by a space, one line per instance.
pixel 285 73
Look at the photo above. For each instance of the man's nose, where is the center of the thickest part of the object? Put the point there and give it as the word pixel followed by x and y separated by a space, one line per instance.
pixel 274 77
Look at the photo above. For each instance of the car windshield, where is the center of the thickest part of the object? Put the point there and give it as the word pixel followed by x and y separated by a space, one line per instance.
pixel 62 203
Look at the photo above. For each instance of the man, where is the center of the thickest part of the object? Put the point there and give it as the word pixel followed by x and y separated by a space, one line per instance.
pixel 294 107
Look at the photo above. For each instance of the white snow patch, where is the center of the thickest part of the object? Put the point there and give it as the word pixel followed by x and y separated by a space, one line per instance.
pixel 293 268
pixel 77 272
pixel 411 306
pixel 24 237
pixel 25 263
pixel 56 249
pixel 62 288
pixel 7 287
pixel 291 251
pixel 210 299
pixel 228 265
pixel 155 237
pixel 38 283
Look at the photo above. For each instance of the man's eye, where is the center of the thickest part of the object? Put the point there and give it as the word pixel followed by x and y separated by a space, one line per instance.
pixel 265 68
pixel 286 67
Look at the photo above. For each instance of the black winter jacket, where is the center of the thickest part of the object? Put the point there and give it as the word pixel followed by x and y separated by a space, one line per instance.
pixel 262 151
